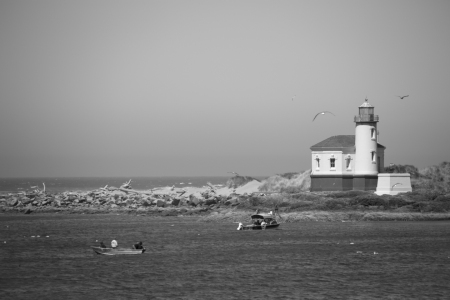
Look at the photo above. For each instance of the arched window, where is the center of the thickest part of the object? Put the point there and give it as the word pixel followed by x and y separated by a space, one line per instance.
pixel 332 163
pixel 373 133
pixel 317 162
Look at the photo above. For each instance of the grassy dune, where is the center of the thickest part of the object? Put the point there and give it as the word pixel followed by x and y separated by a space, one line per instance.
pixel 429 200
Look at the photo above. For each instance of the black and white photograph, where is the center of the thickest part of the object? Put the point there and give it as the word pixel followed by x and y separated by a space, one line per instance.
pixel 224 149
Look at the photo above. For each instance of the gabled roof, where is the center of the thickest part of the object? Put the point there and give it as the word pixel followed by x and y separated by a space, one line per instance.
pixel 337 141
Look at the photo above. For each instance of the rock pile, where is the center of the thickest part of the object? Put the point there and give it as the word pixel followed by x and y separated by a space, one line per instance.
pixel 111 198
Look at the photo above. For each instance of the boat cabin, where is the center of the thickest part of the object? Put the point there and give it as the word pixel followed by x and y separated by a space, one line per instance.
pixel 259 218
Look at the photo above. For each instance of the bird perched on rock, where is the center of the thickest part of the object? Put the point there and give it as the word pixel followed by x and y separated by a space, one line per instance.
pixel 401 97
pixel 322 113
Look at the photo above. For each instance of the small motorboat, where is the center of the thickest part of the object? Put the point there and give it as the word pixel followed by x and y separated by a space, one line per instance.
pixel 261 222
pixel 116 251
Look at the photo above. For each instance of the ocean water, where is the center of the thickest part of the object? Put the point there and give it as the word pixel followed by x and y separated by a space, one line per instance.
pixel 48 256
pixel 91 183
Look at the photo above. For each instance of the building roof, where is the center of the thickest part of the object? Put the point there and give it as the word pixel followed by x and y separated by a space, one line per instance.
pixel 337 141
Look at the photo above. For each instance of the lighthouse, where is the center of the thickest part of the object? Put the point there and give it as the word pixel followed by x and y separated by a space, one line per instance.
pixel 368 162
pixel 349 162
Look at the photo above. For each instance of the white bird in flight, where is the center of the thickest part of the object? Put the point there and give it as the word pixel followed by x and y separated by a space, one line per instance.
pixel 294 97
pixel 234 173
pixel 322 113
pixel 401 97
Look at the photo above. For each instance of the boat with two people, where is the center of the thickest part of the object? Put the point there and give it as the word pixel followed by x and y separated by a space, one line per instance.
pixel 102 249
pixel 260 222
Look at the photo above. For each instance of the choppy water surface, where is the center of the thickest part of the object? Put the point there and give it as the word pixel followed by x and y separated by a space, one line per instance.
pixel 193 260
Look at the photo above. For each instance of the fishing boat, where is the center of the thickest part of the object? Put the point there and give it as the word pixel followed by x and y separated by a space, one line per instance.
pixel 257 219
pixel 117 251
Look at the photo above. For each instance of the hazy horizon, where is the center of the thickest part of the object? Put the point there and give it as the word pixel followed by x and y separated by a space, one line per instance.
pixel 202 88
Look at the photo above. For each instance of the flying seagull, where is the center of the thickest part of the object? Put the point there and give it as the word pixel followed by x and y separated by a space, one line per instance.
pixel 236 174
pixel 394 186
pixel 294 97
pixel 401 97
pixel 322 113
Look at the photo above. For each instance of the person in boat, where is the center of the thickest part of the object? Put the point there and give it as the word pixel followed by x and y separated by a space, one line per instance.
pixel 102 245
pixel 114 244
pixel 263 224
pixel 240 226
pixel 138 245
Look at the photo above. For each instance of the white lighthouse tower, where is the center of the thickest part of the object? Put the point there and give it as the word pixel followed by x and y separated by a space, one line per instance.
pixel 367 164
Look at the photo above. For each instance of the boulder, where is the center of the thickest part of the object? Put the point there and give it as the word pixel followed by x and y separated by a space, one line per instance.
pixel 28 210
pixel 160 203
pixel 233 202
pixel 27 200
pixel 13 202
pixel 175 202
pixel 210 201
pixel 71 197
pixel 195 199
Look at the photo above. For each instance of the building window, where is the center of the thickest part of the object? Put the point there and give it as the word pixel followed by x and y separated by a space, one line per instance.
pixel 332 163
pixel 373 133
pixel 374 157
pixel 317 163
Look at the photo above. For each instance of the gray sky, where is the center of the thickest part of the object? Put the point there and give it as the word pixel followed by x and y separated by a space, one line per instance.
pixel 157 88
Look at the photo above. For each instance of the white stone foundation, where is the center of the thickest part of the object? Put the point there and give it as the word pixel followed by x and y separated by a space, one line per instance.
pixel 393 183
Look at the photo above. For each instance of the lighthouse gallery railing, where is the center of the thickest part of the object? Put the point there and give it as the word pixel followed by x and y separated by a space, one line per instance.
pixel 366 118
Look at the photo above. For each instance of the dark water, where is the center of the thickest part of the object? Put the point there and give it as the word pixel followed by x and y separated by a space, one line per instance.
pixel 91 183
pixel 193 260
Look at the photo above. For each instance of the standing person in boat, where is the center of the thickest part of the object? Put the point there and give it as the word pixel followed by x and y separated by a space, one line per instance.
pixel 102 245
pixel 138 245
pixel 240 226
pixel 114 244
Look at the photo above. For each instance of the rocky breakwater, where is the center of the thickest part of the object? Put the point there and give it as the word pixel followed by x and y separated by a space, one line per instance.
pixel 161 201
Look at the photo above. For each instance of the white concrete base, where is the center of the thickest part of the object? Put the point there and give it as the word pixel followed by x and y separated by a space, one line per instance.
pixel 393 183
